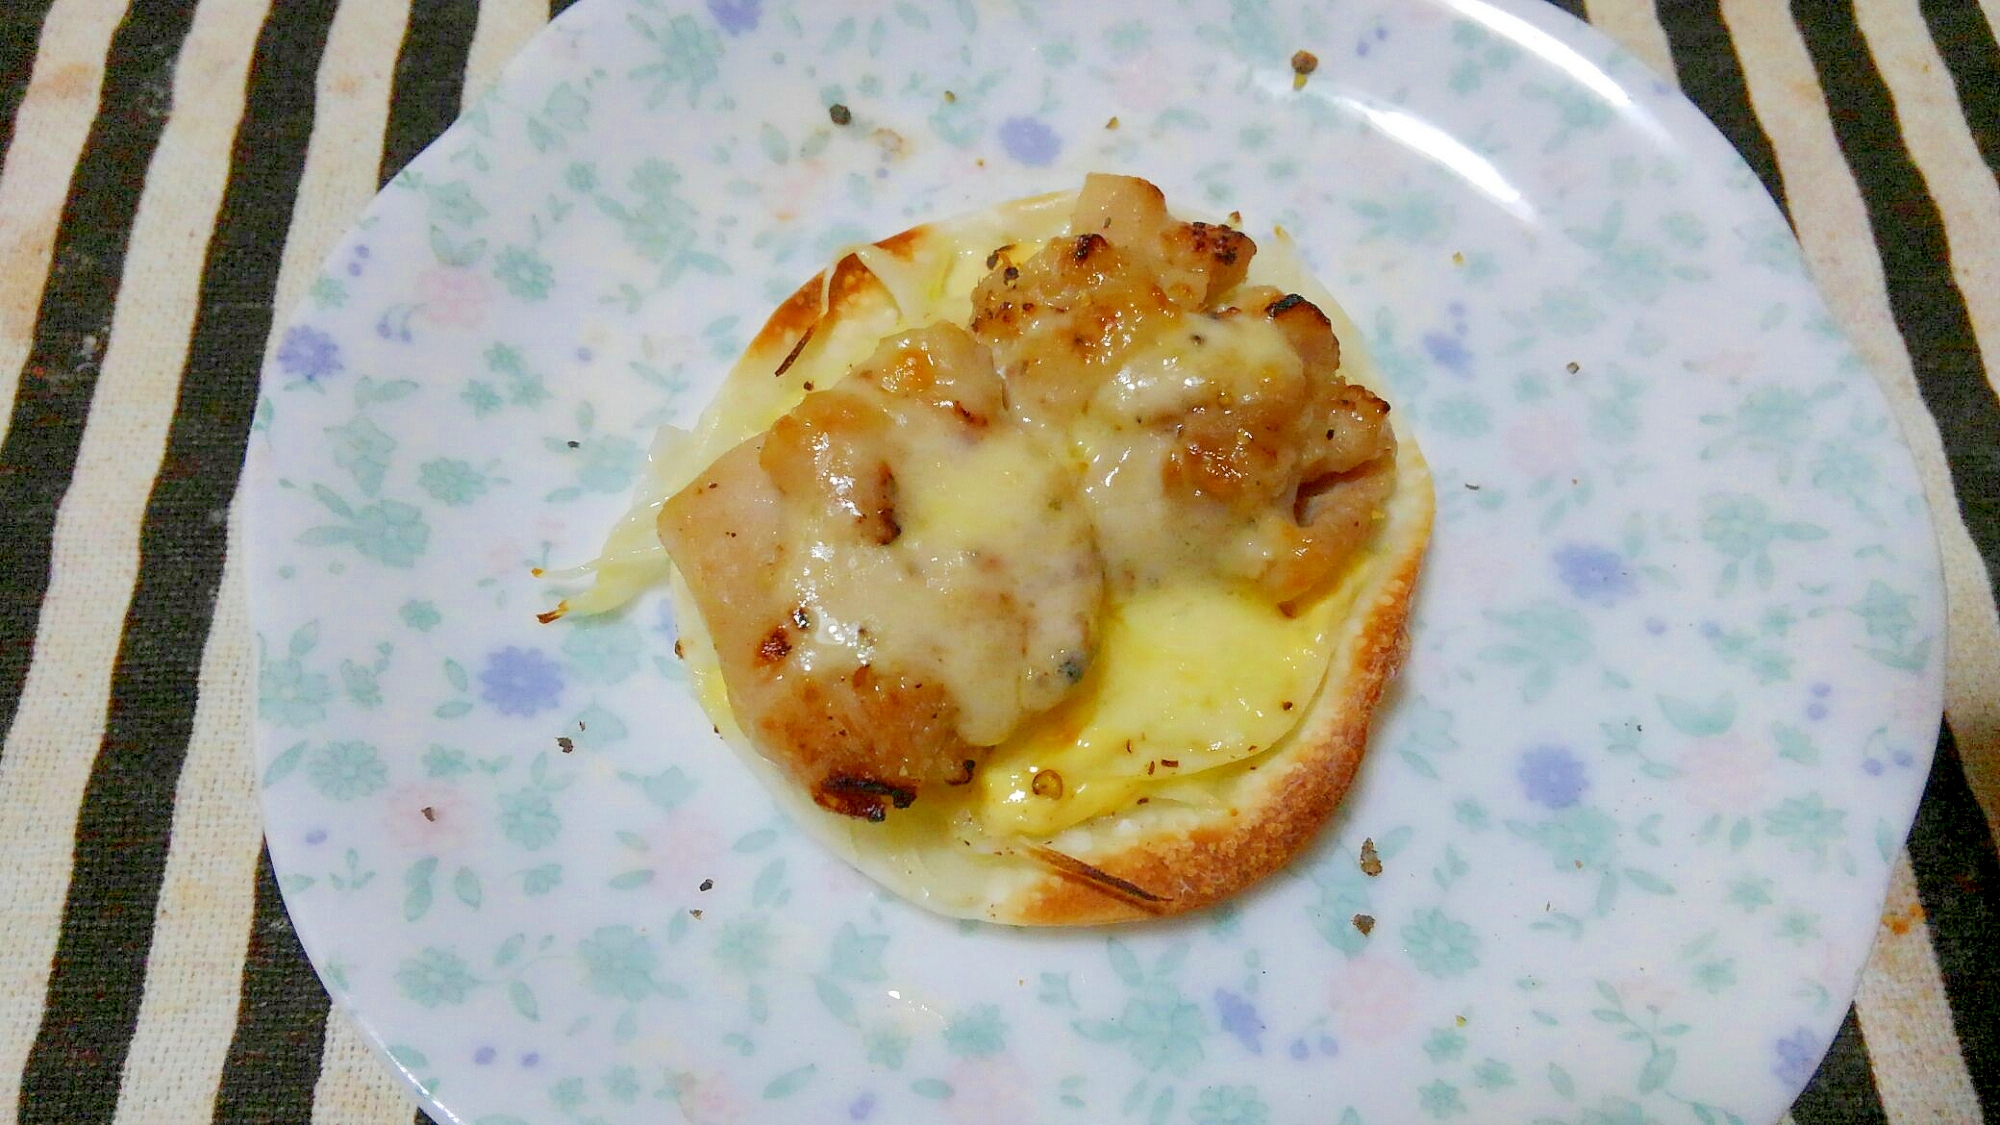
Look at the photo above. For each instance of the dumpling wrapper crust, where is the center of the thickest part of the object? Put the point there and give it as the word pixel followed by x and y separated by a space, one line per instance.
pixel 1182 858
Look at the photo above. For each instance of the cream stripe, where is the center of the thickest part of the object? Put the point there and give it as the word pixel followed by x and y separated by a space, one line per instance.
pixel 1906 1019
pixel 1934 126
pixel 1833 227
pixel 1992 10
pixel 195 970
pixel 505 26
pixel 1635 24
pixel 355 1087
pixel 95 558
pixel 338 180
pixel 49 131
pixel 194 973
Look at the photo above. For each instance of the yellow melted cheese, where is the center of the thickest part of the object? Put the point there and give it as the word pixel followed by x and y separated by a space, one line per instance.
pixel 1202 675
pixel 1188 678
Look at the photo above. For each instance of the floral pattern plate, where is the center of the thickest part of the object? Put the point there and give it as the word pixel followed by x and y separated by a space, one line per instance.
pixel 1676 667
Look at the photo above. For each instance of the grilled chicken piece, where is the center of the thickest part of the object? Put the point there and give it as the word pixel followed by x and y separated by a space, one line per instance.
pixel 873 639
pixel 1217 431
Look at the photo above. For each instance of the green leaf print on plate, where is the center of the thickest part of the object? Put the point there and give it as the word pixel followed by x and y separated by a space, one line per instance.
pixel 1675 659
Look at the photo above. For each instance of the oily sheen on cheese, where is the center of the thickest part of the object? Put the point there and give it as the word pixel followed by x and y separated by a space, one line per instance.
pixel 1014 559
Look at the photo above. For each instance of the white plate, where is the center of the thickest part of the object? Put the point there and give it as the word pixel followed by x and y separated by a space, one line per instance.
pixel 1677 656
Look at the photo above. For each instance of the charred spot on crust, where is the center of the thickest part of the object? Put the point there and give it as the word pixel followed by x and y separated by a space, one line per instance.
pixel 1283 305
pixel 775 646
pixel 968 767
pixel 864 797
pixel 1087 245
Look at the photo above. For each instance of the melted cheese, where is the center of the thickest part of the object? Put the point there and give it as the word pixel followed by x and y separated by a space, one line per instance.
pixel 1147 539
pixel 1190 678
pixel 978 523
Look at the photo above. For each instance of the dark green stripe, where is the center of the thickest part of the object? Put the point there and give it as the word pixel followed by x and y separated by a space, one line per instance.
pixel 74 322
pixel 1712 77
pixel 1958 881
pixel 1842 1090
pixel 20 32
pixel 1965 39
pixel 1909 235
pixel 274 1057
pixel 430 78
pixel 125 826
pixel 1573 7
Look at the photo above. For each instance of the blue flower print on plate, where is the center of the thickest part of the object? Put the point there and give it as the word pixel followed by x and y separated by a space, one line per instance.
pixel 1675 663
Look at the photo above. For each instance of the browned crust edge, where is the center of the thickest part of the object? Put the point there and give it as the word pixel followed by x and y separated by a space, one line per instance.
pixel 801 313
pixel 1300 789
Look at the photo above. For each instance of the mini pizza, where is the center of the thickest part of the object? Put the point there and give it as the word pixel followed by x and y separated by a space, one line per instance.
pixel 1046 563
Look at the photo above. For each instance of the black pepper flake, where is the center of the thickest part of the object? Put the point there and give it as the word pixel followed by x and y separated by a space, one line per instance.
pixel 840 113
pixel 1572 367
pixel 1171 763
pixel 808 384
pixel 1286 705
pixel 1087 244
pixel 1371 864
pixel 1471 487
pixel 695 914
pixel 430 814
pixel 1365 923
pixel 574 444
pixel 706 885
pixel 565 743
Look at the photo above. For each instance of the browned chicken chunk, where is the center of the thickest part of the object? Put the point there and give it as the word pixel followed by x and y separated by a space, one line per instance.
pixel 872 643
pixel 1218 431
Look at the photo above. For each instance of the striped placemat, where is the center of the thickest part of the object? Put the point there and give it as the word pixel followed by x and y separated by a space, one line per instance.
pixel 175 171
